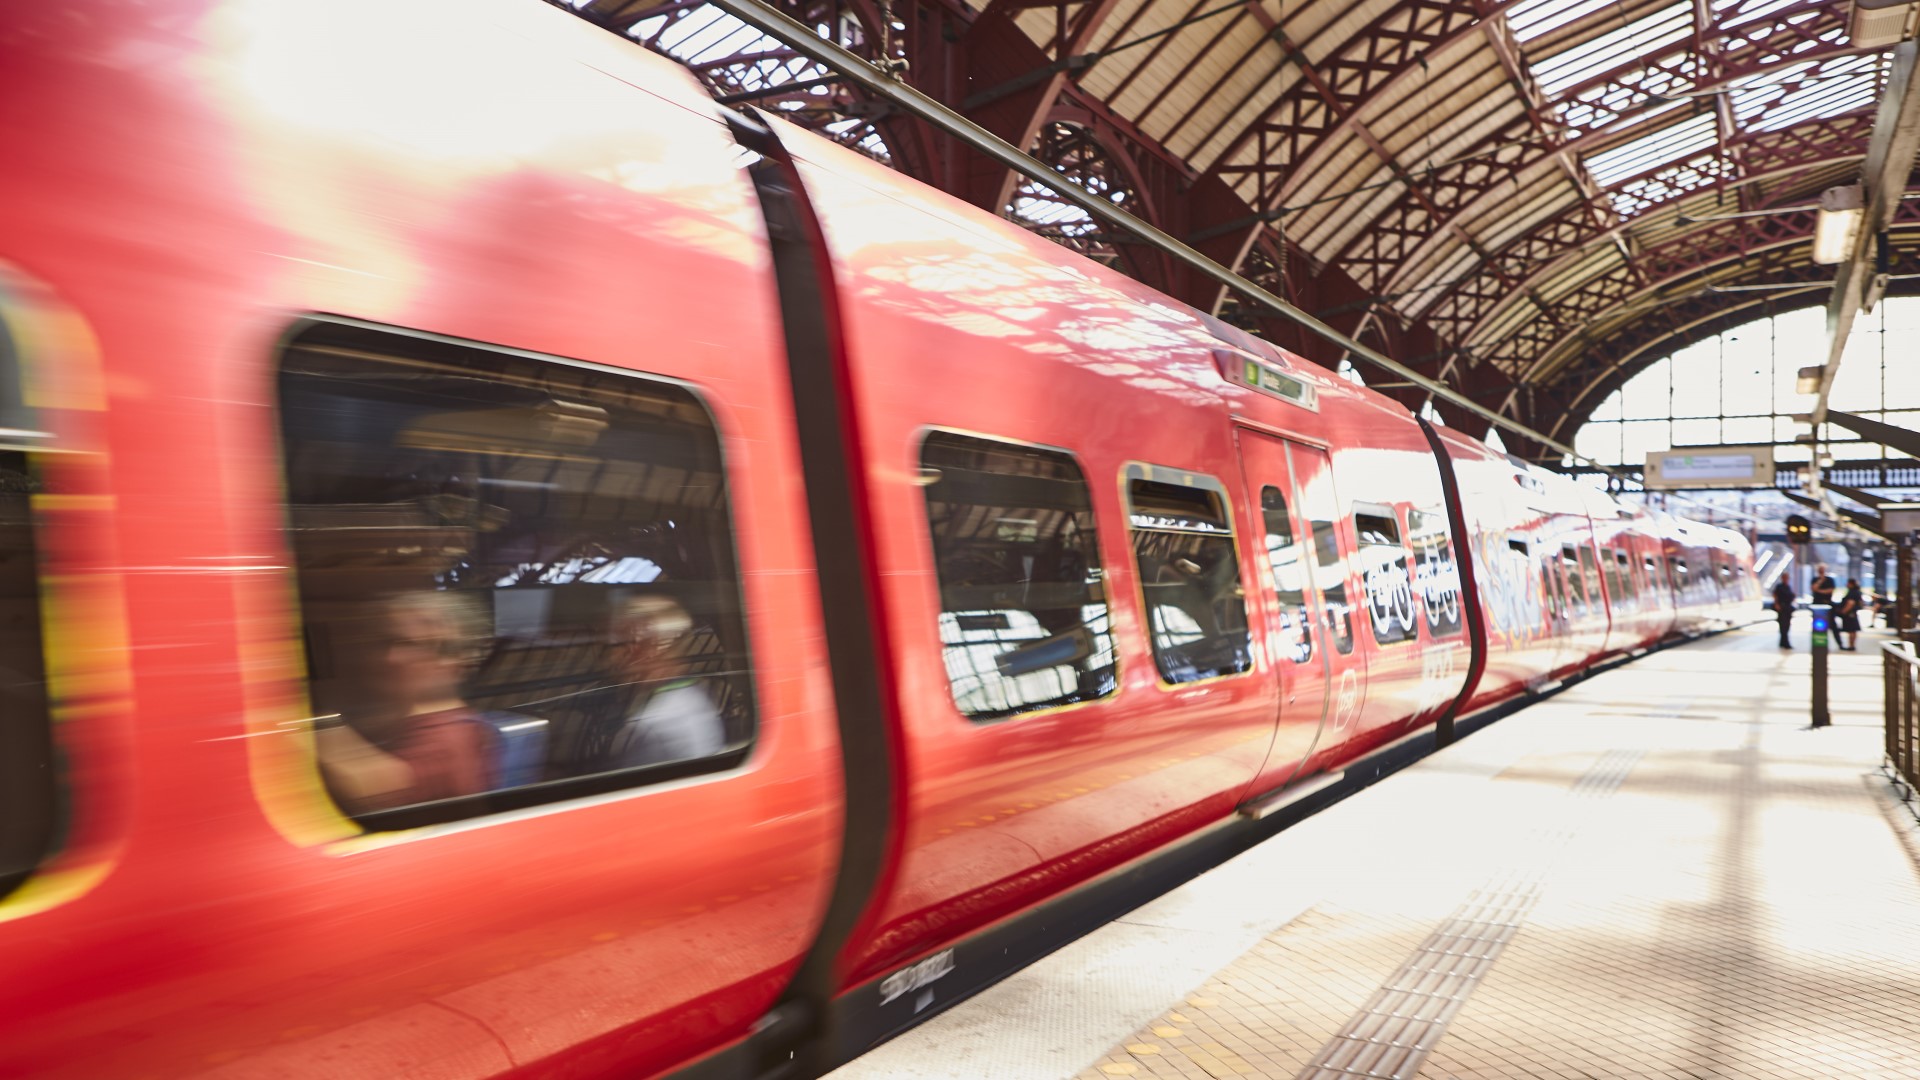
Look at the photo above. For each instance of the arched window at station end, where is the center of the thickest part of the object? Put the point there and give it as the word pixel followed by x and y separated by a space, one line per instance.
pixel 1738 388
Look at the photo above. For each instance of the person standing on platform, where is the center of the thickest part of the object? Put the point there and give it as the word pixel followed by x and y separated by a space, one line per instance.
pixel 1783 599
pixel 1822 587
pixel 1846 617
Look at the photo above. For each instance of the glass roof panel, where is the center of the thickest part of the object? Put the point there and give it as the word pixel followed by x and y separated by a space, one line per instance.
pixel 1648 152
pixel 1801 93
pixel 1533 18
pixel 1614 49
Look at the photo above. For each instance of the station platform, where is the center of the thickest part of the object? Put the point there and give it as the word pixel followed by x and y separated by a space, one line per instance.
pixel 1660 871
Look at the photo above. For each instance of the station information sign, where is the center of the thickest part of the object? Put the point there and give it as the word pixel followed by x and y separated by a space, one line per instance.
pixel 1709 467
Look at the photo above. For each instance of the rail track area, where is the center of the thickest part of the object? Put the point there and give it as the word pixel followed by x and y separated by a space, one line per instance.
pixel 1661 871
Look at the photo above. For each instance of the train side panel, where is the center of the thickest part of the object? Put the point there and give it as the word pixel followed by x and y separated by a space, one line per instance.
pixel 980 357
pixel 511 198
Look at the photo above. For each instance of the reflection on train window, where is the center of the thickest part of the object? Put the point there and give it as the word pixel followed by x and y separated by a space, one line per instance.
pixel 1023 601
pixel 1384 573
pixel 1189 575
pixel 1287 571
pixel 30 792
pixel 1576 586
pixel 1590 573
pixel 1436 577
pixel 1556 592
pixel 1626 593
pixel 517 576
pixel 1677 573
pixel 1329 567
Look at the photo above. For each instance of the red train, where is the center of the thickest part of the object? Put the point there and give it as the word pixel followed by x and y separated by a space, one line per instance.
pixel 511 569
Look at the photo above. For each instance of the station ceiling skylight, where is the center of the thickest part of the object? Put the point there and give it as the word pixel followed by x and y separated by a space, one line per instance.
pixel 1648 152
pixel 1614 49
pixel 1806 91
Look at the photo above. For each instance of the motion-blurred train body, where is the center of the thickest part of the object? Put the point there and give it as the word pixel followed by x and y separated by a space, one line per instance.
pixel 994 575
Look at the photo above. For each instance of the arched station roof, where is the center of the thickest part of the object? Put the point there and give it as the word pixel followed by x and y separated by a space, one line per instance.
pixel 1529 200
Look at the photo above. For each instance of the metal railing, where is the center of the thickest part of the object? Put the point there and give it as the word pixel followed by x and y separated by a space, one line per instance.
pixel 1901 670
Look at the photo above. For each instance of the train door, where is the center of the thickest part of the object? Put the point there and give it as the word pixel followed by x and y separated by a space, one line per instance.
pixel 1336 591
pixel 1299 644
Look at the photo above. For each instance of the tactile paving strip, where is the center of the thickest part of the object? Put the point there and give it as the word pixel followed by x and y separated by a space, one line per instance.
pixel 1390 1036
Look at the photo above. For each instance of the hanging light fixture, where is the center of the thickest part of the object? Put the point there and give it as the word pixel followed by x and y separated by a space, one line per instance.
pixel 1837 226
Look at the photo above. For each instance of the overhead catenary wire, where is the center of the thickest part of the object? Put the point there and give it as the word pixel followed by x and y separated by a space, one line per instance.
pixel 858 69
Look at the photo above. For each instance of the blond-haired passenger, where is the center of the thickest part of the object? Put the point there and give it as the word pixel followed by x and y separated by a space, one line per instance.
pixel 426 743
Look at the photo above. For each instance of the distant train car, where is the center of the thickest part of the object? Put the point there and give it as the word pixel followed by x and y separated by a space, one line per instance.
pixel 517 570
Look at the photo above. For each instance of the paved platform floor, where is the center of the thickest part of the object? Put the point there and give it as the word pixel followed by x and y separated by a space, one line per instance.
pixel 1659 872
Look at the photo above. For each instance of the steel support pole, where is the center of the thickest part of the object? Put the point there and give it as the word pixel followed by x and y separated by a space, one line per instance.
pixel 1903 586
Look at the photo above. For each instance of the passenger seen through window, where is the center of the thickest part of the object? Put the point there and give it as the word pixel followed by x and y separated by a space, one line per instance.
pixel 516 575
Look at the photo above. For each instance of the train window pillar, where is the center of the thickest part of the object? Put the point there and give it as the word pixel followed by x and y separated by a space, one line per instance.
pixel 1183 550
pixel 1287 572
pixel 1024 623
pixel 517 575
pixel 1386 574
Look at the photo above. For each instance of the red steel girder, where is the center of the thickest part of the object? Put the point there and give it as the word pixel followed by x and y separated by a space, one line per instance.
pixel 1810 144
pixel 1334 88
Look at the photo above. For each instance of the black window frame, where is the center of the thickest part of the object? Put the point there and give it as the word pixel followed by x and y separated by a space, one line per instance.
pixel 1092 549
pixel 1445 559
pixel 1174 483
pixel 492 803
pixel 1408 629
pixel 1301 627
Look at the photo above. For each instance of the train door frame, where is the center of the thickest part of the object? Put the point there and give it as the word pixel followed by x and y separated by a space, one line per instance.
pixel 1347 673
pixel 1261 454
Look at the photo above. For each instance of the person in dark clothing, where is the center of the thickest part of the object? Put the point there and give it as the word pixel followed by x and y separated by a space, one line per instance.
pixel 1783 599
pixel 1846 617
pixel 1823 585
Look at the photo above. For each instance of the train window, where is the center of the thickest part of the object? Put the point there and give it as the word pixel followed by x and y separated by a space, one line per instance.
pixel 30 791
pixel 1677 573
pixel 1576 584
pixel 1555 592
pixel 1590 573
pixel 1023 600
pixel 1384 573
pixel 1610 572
pixel 1623 567
pixel 1189 575
pixel 517 576
pixel 1329 567
pixel 1436 577
pixel 1287 572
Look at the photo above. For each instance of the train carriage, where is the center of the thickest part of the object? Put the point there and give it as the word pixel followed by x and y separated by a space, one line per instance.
pixel 528 572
